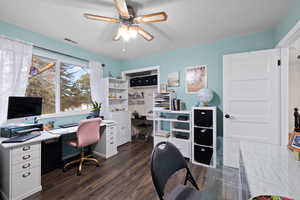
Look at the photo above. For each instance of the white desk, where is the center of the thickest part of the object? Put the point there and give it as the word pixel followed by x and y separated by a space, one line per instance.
pixel 269 169
pixel 20 163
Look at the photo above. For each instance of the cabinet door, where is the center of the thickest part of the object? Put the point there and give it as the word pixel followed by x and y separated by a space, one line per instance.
pixel 123 127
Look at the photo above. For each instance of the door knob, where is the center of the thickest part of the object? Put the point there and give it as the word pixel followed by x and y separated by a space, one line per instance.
pixel 227 116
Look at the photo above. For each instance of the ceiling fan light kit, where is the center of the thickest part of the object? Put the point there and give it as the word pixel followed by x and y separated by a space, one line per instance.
pixel 129 23
pixel 127 32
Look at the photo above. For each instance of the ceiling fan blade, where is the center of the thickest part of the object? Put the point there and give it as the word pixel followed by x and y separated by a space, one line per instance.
pixel 150 18
pixel 117 36
pixel 145 34
pixel 122 8
pixel 101 18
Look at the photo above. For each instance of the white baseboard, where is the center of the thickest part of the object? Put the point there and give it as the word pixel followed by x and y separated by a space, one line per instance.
pixel 99 154
pixel 37 189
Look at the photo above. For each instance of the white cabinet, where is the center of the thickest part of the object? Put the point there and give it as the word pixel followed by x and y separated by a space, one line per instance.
pixel 177 126
pixel 20 171
pixel 123 127
pixel 107 146
pixel 114 98
pixel 204 136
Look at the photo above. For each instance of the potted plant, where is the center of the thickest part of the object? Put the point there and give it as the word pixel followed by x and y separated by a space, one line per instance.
pixel 96 108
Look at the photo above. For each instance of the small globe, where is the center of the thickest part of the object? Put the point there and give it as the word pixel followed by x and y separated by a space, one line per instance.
pixel 205 95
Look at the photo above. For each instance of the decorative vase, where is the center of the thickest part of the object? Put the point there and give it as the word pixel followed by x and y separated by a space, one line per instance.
pixel 96 113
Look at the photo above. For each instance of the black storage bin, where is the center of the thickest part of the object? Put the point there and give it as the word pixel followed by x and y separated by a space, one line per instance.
pixel 143 81
pixel 203 136
pixel 133 82
pixel 203 154
pixel 203 118
pixel 146 81
pixel 153 80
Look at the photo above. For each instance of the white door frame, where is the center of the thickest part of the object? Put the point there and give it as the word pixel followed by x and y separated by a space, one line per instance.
pixel 157 68
pixel 284 45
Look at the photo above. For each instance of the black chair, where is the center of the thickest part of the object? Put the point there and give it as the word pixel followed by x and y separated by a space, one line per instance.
pixel 166 160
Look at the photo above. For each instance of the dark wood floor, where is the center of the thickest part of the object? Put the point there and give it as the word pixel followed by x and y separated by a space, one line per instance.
pixel 127 176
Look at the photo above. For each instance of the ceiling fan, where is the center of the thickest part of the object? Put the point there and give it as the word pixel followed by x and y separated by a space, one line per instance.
pixel 129 22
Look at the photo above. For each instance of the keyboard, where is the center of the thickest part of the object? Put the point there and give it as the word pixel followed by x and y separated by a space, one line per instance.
pixel 68 125
pixel 22 138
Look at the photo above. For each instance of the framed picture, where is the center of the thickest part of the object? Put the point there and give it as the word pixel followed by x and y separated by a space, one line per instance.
pixel 195 79
pixel 173 79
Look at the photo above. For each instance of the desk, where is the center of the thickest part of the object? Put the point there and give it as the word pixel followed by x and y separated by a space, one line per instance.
pixel 20 163
pixel 268 170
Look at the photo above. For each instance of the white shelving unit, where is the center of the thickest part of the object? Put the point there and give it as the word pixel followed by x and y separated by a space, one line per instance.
pixel 114 98
pixel 204 136
pixel 175 127
pixel 162 101
pixel 114 95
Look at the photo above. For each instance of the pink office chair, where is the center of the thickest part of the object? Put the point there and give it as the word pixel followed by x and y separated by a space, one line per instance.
pixel 87 134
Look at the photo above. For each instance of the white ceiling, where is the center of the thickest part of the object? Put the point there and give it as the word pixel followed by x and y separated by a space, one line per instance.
pixel 190 22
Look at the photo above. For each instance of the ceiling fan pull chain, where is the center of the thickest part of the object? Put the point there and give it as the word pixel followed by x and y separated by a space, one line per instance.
pixel 123 48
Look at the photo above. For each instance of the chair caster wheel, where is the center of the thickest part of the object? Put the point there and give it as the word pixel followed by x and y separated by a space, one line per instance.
pixel 78 173
pixel 97 165
pixel 64 170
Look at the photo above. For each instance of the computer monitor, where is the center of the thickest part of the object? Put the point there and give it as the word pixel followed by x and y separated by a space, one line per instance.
pixel 20 107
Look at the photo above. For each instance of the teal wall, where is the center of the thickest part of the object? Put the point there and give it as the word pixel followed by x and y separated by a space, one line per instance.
pixel 14 31
pixel 207 54
pixel 289 21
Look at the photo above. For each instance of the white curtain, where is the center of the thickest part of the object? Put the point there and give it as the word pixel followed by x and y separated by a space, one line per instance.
pixel 15 62
pixel 96 74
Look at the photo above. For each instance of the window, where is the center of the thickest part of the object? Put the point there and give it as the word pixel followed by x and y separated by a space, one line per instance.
pixel 63 86
pixel 75 92
pixel 42 82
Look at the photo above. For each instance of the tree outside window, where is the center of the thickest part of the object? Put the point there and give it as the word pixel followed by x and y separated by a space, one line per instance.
pixel 75 91
pixel 41 82
pixel 74 85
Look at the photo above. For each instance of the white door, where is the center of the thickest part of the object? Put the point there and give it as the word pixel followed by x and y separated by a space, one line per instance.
pixel 251 97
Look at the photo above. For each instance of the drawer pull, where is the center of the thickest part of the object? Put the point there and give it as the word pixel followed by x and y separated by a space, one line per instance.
pixel 26 157
pixel 27 148
pixel 111 138
pixel 111 143
pixel 26 175
pixel 203 130
pixel 202 149
pixel 26 166
pixel 203 113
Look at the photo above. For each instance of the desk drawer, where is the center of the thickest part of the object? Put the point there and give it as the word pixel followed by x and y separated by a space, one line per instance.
pixel 26 157
pixel 25 181
pixel 26 148
pixel 25 166
pixel 111 129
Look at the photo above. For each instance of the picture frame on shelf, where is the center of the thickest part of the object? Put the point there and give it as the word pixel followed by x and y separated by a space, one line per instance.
pixel 195 79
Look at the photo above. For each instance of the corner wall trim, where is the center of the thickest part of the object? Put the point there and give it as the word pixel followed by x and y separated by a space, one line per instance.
pixel 290 37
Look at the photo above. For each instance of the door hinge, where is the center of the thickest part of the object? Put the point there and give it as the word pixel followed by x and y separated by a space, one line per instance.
pixel 279 63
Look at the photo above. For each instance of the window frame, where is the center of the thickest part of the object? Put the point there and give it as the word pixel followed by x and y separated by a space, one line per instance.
pixel 58 61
